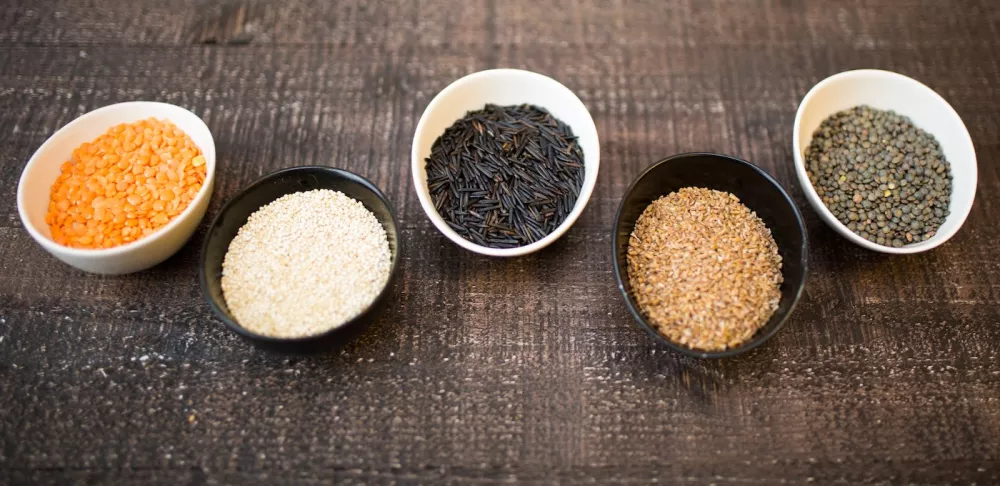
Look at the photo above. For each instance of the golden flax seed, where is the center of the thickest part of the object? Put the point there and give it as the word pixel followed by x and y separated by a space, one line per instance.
pixel 704 269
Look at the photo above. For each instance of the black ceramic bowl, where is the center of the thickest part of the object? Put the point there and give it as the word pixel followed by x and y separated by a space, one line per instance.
pixel 757 190
pixel 266 189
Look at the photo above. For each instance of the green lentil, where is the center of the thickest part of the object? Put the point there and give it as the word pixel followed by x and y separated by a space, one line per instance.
pixel 886 179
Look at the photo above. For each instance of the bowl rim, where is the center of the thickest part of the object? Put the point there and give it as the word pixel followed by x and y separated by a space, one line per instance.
pixel 813 197
pixel 53 247
pixel 758 338
pixel 263 180
pixel 416 163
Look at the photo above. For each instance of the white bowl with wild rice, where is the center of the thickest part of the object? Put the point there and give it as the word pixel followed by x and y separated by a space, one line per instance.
pixel 506 88
pixel 928 111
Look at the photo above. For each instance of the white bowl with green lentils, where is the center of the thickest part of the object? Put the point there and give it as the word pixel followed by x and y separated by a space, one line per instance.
pixel 884 160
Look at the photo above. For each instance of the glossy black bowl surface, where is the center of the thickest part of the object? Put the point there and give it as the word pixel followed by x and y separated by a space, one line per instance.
pixel 757 190
pixel 234 215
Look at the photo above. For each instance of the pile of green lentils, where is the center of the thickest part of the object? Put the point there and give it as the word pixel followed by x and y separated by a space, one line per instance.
pixel 880 175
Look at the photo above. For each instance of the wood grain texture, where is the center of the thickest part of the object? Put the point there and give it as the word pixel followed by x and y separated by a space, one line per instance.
pixel 496 371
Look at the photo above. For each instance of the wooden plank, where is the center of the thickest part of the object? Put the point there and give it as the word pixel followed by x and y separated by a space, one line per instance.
pixel 489 371
pixel 861 24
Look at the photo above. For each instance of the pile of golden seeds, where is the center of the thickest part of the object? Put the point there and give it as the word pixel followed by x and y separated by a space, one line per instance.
pixel 704 269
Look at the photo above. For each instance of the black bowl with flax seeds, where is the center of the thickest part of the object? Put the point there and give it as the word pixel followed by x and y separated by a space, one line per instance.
pixel 505 176
pixel 757 191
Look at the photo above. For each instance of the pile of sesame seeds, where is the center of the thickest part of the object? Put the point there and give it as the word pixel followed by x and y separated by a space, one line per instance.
pixel 304 264
pixel 704 269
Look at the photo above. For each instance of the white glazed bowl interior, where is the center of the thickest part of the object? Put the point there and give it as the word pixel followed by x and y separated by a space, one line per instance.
pixel 886 90
pixel 504 87
pixel 40 173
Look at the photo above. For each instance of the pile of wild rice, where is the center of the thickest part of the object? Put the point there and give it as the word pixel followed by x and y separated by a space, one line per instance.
pixel 704 269
pixel 505 176
pixel 304 264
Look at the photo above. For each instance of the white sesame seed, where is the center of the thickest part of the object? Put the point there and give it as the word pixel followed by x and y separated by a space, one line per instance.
pixel 304 264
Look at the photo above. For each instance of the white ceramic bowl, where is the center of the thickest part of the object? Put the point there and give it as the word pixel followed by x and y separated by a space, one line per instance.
pixel 504 87
pixel 33 190
pixel 928 110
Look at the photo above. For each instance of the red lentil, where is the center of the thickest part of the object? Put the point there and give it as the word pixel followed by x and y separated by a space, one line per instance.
pixel 124 185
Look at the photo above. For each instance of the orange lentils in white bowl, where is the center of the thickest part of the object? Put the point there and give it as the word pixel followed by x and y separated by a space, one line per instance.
pixel 124 185
pixel 120 188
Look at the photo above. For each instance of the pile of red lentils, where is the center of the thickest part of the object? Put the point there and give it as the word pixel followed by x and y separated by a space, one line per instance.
pixel 124 185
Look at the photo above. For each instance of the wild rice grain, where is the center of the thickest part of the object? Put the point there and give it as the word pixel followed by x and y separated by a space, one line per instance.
pixel 704 269
pixel 304 264
pixel 505 176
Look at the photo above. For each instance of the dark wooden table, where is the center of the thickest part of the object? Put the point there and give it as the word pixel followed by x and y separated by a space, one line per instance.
pixel 483 370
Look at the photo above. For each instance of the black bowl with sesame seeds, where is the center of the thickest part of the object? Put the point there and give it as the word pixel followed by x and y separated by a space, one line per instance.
pixel 235 214
pixel 756 190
